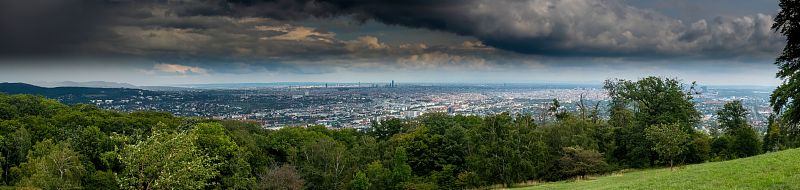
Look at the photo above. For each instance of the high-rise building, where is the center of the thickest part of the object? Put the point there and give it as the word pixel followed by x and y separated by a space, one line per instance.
pixel 392 85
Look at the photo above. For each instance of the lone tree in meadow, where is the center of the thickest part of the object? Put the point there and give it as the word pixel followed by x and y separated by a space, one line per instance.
pixel 669 141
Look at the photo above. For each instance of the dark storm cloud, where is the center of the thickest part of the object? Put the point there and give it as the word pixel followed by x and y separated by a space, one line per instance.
pixel 47 26
pixel 555 28
pixel 605 28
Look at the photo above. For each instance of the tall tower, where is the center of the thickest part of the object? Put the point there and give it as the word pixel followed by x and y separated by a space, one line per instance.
pixel 392 86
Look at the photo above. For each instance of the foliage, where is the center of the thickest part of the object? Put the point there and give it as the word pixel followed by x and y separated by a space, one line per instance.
pixel 699 148
pixel 166 161
pixel 324 164
pixel 669 141
pixel 783 99
pixel 386 129
pixel 637 105
pixel 577 161
pixel 155 150
pixel 379 176
pixel 360 181
pixel 506 151
pixel 234 168
pixel 284 177
pixel 732 115
pixel 739 139
pixel 53 166
pixel 774 140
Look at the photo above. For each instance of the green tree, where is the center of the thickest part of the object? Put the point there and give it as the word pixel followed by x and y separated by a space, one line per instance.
pixel 732 115
pixel 385 129
pixel 101 180
pixel 379 176
pixel 669 141
pixel 360 182
pixel 744 140
pixel 447 178
pixel 22 144
pixel 468 179
pixel 401 171
pixel 325 164
pixel 91 142
pixel 53 166
pixel 284 177
pixel 234 168
pixel 166 161
pixel 506 151
pixel 774 139
pixel 439 140
pixel 699 148
pixel 554 108
pixel 721 147
pixel 783 98
pixel 637 105
pixel 577 161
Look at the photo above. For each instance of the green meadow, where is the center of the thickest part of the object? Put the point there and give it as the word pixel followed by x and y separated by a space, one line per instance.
pixel 777 170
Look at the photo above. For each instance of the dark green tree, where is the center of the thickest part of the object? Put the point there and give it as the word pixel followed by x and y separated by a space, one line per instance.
pixel 379 176
pixel 401 171
pixel 578 162
pixel 637 105
pixel 506 151
pixel 774 139
pixel 732 115
pixel 385 129
pixel 743 139
pixel 438 141
pixel 783 99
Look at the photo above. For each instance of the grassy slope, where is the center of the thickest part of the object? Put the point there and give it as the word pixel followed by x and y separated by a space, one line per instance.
pixel 777 170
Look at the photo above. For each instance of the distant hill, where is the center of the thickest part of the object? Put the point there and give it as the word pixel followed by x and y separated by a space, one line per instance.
pixel 167 88
pixel 776 170
pixel 257 85
pixel 72 94
pixel 89 84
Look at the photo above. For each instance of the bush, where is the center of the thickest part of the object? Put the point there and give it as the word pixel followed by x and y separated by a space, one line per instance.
pixel 579 162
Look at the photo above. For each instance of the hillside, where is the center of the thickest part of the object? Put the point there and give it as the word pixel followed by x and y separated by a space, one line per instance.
pixel 777 170
pixel 88 84
pixel 71 95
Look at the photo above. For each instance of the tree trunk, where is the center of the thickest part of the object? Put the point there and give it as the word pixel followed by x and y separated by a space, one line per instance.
pixel 670 165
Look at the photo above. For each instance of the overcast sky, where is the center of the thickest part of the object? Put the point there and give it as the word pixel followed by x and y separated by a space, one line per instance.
pixel 163 42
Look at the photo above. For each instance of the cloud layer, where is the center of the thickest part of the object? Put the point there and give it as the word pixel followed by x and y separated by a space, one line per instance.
pixel 257 35
pixel 545 27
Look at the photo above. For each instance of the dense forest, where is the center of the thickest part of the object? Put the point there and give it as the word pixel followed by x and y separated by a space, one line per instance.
pixel 49 145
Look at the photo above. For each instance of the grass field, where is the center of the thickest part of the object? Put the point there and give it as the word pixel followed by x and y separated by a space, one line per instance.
pixel 777 170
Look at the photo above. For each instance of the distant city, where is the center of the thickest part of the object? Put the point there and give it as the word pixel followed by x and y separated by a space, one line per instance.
pixel 357 105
